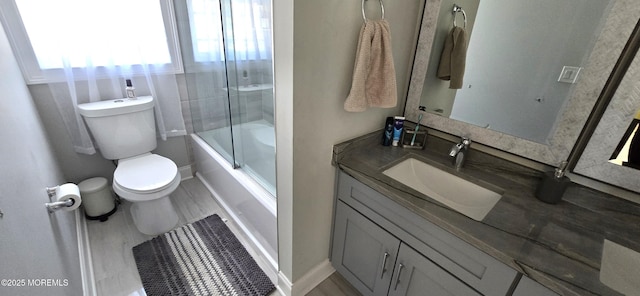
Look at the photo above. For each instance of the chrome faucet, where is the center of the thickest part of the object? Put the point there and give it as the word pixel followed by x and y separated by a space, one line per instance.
pixel 458 152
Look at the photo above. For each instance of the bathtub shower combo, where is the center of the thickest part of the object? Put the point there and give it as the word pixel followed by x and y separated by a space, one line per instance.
pixel 229 76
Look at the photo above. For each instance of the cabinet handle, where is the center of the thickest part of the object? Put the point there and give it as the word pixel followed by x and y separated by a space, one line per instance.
pixel 384 264
pixel 400 267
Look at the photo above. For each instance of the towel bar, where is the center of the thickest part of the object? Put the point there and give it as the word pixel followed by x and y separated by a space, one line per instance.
pixel 364 17
pixel 456 9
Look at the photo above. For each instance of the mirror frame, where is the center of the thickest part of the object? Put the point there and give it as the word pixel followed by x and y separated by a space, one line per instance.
pixel 621 110
pixel 607 48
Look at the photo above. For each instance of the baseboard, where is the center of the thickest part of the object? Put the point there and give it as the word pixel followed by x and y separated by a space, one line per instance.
pixel 284 285
pixel 306 283
pixel 186 172
pixel 84 254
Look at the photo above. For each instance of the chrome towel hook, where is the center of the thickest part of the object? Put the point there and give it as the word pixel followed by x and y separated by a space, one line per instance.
pixel 457 9
pixel 364 17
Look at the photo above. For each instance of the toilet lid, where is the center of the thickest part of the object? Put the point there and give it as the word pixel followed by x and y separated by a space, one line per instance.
pixel 145 174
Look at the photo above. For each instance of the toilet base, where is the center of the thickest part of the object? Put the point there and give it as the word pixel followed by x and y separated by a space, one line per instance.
pixel 154 217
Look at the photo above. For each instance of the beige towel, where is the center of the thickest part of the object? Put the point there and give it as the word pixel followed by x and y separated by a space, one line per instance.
pixel 453 58
pixel 374 76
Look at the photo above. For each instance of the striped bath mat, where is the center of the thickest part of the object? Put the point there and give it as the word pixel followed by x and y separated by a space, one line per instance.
pixel 202 258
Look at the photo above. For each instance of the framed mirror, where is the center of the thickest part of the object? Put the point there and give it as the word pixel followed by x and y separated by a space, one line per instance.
pixel 615 133
pixel 511 123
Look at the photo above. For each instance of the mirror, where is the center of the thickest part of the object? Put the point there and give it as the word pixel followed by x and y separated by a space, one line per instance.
pixel 627 153
pixel 511 82
pixel 612 129
pixel 547 136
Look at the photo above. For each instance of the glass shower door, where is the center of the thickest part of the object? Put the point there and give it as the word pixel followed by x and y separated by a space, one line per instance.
pixel 203 55
pixel 229 74
pixel 247 32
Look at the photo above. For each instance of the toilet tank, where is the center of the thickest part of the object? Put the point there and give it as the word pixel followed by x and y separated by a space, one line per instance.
pixel 122 127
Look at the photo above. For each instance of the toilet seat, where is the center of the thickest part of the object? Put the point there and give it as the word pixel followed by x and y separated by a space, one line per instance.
pixel 143 177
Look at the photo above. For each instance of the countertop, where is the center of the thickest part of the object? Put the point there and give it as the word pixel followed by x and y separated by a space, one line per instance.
pixel 557 245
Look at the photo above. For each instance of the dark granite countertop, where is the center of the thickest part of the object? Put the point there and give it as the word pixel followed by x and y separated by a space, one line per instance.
pixel 559 246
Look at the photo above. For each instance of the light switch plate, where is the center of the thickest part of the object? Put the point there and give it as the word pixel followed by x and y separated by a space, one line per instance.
pixel 569 74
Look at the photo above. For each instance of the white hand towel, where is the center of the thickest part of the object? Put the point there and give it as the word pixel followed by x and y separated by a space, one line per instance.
pixel 374 75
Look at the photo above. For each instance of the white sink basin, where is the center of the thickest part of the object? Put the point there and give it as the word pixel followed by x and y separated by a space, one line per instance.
pixel 459 194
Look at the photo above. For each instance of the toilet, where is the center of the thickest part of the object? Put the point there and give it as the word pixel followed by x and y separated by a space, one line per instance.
pixel 125 131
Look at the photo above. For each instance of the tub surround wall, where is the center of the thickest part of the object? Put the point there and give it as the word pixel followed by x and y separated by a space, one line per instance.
pixel 558 246
pixel 208 101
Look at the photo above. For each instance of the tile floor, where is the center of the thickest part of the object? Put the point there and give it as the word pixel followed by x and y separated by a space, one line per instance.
pixel 111 241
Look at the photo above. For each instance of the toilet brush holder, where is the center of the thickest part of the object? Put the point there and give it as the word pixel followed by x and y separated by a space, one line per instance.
pixel 551 189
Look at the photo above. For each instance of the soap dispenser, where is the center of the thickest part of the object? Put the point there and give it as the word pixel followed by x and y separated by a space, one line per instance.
pixel 553 185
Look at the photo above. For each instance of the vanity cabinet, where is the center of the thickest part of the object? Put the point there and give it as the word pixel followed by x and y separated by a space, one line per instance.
pixel 378 263
pixel 383 248
pixel 363 252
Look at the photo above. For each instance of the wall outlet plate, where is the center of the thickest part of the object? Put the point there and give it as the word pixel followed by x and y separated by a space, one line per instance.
pixel 569 74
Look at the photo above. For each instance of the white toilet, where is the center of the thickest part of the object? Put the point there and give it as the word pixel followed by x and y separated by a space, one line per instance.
pixel 125 130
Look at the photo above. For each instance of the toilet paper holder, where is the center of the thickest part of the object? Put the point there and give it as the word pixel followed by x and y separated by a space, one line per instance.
pixel 56 205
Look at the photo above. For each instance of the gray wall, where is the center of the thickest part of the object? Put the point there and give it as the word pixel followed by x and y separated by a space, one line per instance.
pixel 33 244
pixel 314 57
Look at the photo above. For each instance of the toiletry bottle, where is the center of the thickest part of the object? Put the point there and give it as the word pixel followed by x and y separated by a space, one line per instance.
pixel 398 124
pixel 131 91
pixel 387 135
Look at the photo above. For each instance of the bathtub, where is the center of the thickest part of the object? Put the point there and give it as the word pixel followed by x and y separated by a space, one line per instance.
pixel 247 202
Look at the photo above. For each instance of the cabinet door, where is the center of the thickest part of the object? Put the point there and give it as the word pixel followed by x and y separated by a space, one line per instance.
pixel 528 287
pixel 363 252
pixel 416 275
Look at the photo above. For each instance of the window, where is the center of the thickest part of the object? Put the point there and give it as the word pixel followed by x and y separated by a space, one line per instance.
pixel 48 36
pixel 249 24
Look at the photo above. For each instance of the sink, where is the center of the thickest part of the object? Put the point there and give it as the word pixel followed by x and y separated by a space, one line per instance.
pixel 466 197
pixel 619 268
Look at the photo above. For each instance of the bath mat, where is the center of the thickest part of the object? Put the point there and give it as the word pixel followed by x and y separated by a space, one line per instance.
pixel 201 258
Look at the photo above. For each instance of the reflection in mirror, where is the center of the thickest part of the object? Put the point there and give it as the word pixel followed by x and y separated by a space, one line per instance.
pixel 522 61
pixel 615 125
pixel 627 152
pixel 573 113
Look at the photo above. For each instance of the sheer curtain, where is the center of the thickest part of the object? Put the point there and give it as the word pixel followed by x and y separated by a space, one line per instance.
pixel 85 49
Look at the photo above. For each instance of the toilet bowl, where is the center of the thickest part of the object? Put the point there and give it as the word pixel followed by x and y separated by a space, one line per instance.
pixel 124 130
pixel 147 181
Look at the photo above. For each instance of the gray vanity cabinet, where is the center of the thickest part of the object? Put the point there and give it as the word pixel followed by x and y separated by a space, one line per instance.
pixel 363 252
pixel 421 258
pixel 415 275
pixel 377 263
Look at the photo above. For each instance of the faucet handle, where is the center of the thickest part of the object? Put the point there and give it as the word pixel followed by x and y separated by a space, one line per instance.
pixel 465 141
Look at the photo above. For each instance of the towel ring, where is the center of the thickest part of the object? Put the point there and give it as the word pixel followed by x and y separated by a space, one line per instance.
pixel 457 9
pixel 364 17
